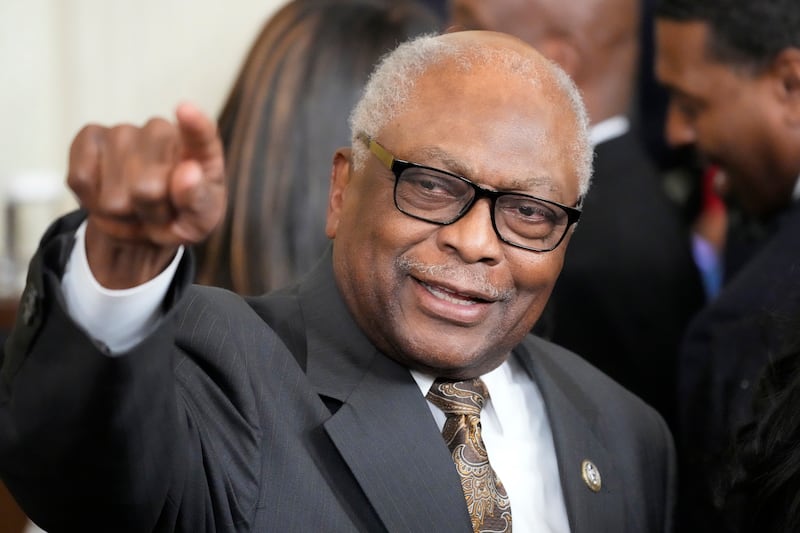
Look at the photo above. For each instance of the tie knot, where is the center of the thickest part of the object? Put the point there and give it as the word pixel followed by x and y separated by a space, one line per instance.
pixel 459 397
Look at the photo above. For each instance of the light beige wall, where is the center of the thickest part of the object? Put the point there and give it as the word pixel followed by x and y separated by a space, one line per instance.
pixel 64 63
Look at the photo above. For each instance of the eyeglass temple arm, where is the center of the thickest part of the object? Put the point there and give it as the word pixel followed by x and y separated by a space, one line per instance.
pixel 379 151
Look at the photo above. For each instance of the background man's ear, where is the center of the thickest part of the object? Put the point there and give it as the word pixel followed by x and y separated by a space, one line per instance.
pixel 340 177
pixel 563 52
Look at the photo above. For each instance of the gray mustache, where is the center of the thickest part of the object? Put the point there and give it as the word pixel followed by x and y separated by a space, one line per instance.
pixel 460 275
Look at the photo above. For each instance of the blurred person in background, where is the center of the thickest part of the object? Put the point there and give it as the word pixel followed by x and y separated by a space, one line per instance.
pixel 763 492
pixel 732 68
pixel 286 114
pixel 629 285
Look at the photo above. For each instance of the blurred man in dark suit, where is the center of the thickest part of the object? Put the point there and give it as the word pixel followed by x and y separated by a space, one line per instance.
pixel 733 71
pixel 629 285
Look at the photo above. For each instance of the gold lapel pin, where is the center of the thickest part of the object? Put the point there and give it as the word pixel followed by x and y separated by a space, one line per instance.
pixel 591 475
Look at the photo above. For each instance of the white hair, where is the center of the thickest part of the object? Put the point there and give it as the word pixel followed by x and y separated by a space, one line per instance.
pixel 395 75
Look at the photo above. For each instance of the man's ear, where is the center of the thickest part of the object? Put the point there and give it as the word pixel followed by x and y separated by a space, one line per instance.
pixel 563 52
pixel 340 177
pixel 786 67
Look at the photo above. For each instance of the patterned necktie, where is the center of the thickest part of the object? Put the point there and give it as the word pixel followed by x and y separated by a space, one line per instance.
pixel 487 501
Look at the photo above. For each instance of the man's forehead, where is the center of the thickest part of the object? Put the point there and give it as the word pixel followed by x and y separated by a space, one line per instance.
pixel 681 43
pixel 506 127
pixel 484 84
pixel 521 172
pixel 684 62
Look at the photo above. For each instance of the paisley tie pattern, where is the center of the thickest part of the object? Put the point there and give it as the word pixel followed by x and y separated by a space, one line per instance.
pixel 487 501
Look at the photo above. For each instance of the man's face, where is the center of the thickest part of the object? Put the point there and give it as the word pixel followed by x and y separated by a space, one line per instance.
pixel 734 117
pixel 452 300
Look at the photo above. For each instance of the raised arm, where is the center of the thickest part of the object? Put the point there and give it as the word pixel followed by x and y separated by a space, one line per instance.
pixel 88 440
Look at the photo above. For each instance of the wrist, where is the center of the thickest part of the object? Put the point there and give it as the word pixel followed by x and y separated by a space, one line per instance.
pixel 121 264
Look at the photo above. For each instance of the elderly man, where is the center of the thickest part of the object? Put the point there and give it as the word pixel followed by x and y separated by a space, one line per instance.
pixel 733 70
pixel 322 407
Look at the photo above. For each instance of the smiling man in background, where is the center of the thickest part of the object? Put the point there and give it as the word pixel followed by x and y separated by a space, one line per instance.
pixel 733 70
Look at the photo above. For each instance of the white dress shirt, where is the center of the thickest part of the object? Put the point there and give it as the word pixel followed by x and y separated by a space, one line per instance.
pixel 608 129
pixel 519 442
pixel 514 421
pixel 122 318
pixel 796 192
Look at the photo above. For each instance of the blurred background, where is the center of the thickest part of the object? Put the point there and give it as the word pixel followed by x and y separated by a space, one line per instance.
pixel 69 62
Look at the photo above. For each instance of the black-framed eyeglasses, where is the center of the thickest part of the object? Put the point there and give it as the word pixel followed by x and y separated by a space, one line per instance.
pixel 441 197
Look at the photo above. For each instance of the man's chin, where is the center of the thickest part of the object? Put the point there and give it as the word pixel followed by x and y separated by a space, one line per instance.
pixel 721 181
pixel 453 363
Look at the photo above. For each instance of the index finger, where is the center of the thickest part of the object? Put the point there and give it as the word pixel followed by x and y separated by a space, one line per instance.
pixel 198 135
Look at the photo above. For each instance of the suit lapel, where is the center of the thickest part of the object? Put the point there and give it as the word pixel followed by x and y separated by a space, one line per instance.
pixel 573 420
pixel 384 429
pixel 387 436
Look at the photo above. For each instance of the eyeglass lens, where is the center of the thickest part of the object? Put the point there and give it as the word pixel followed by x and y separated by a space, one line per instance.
pixel 441 198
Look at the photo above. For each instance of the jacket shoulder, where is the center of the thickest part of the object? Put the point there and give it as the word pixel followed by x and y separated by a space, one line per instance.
pixel 570 368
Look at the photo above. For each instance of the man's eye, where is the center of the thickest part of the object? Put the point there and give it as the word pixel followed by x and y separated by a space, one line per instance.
pixel 428 184
pixel 688 108
pixel 529 211
pixel 432 184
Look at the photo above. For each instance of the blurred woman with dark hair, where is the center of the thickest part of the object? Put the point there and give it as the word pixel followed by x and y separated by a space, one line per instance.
pixel 764 490
pixel 285 115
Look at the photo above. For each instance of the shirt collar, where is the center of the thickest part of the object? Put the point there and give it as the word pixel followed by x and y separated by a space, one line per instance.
pixel 424 381
pixel 497 382
pixel 493 380
pixel 608 129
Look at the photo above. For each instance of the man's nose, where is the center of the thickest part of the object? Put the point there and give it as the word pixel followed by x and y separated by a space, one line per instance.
pixel 473 236
pixel 679 129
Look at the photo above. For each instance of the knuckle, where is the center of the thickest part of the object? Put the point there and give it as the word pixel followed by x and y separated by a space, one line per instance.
pixel 79 180
pixel 149 190
pixel 158 125
pixel 114 203
pixel 84 157
pixel 90 133
pixel 86 143
pixel 121 134
pixel 159 139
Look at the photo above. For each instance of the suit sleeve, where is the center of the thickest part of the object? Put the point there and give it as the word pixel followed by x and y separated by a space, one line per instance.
pixel 88 440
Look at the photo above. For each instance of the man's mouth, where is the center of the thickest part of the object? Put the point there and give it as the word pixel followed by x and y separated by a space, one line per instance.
pixel 452 296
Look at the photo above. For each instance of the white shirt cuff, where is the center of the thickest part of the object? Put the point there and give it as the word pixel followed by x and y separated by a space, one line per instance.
pixel 118 318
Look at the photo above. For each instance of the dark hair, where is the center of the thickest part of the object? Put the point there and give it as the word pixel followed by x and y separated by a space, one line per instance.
pixel 764 490
pixel 748 33
pixel 284 118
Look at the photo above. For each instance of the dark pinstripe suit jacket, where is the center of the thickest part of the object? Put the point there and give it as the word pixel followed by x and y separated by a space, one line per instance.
pixel 725 350
pixel 278 414
pixel 629 285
